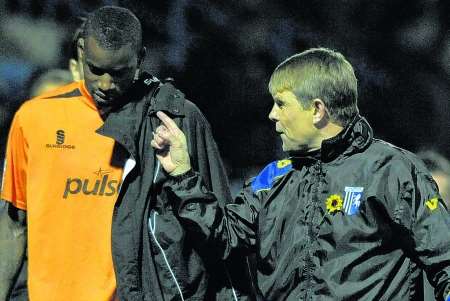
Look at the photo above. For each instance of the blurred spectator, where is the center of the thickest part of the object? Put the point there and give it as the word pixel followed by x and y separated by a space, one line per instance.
pixel 50 80
pixel 439 167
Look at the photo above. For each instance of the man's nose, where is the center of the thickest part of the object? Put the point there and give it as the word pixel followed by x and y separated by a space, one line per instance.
pixel 273 114
pixel 106 82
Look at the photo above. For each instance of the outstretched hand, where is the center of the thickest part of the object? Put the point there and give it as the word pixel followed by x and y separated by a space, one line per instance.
pixel 171 146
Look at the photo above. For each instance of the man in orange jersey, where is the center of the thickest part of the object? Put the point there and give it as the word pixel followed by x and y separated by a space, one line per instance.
pixel 46 82
pixel 60 186
pixel 72 150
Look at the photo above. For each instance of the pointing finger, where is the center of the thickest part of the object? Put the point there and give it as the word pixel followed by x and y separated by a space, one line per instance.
pixel 168 122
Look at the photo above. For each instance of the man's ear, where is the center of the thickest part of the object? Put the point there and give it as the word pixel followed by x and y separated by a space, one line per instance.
pixel 320 114
pixel 73 67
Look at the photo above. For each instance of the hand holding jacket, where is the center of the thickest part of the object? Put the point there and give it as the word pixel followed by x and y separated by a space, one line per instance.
pixel 170 143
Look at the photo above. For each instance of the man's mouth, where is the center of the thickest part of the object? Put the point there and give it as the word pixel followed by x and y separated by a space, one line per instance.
pixel 281 134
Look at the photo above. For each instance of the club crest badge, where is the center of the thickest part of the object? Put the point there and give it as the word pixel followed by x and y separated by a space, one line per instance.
pixel 352 199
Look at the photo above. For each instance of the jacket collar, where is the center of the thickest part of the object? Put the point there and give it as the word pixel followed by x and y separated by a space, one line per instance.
pixel 354 137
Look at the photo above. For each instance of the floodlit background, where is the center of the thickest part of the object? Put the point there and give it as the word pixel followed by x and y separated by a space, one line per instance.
pixel 221 54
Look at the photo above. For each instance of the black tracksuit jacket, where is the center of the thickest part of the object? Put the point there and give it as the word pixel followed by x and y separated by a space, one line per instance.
pixel 358 220
pixel 154 257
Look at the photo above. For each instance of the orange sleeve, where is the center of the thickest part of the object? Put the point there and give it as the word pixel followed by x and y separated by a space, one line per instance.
pixel 15 166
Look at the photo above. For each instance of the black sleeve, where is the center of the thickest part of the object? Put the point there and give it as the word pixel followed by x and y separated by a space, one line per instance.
pixel 205 155
pixel 232 227
pixel 206 159
pixel 421 222
pixel 431 234
pixel 13 233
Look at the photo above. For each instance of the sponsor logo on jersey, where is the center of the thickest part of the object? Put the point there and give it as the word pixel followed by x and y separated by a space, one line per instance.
pixel 352 199
pixel 60 137
pixel 102 185
pixel 59 143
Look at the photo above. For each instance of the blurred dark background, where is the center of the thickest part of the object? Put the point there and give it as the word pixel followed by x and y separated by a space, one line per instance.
pixel 221 54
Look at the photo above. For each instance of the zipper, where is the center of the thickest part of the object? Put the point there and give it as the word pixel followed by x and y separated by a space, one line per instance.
pixel 309 265
pixel 152 229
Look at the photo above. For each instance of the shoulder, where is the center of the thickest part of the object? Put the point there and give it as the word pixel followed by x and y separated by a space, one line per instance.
pixel 54 97
pixel 64 92
pixel 169 93
pixel 194 114
pixel 396 159
pixel 170 99
pixel 270 174
pixel 177 100
pixel 40 107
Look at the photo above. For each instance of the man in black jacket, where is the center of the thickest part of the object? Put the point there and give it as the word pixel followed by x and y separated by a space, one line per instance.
pixel 346 217
pixel 154 258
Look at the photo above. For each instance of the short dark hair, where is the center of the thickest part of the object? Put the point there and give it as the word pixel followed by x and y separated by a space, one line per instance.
pixel 319 73
pixel 114 27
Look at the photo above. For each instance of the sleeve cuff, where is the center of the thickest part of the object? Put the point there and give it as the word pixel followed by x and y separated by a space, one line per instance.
pixel 183 176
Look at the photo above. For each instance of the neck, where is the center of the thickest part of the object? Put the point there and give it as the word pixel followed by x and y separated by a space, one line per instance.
pixel 331 130
pixel 328 131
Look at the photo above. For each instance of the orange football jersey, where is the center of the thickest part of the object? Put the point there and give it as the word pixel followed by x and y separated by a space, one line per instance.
pixel 59 170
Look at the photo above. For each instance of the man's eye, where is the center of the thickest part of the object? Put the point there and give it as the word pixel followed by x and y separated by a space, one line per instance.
pixel 279 103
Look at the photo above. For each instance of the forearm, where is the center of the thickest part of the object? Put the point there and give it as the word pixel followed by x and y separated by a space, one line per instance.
pixel 13 232
pixel 227 228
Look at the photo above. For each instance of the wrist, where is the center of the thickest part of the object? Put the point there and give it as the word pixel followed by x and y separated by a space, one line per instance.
pixel 182 174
